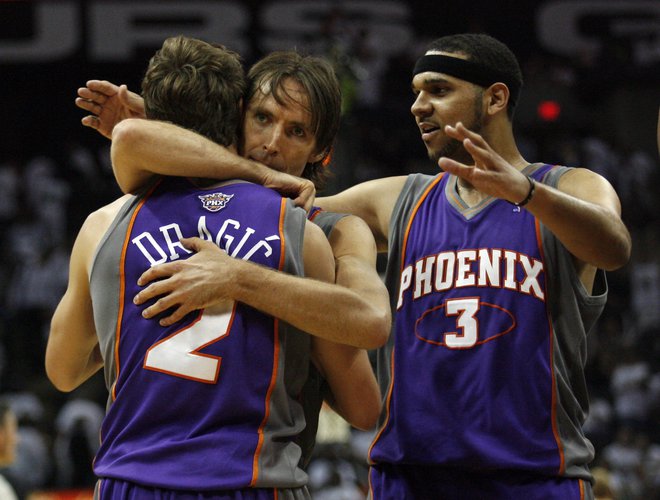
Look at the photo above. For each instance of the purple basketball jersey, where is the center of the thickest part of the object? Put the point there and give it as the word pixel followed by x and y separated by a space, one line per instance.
pixel 202 404
pixel 471 374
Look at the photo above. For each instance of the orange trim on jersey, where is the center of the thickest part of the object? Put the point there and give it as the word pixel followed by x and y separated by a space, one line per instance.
pixel 271 387
pixel 412 217
pixel 276 356
pixel 581 483
pixel 553 409
pixel 281 230
pixel 403 255
pixel 313 212
pixel 122 285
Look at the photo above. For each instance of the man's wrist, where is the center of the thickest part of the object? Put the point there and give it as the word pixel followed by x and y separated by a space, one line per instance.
pixel 530 193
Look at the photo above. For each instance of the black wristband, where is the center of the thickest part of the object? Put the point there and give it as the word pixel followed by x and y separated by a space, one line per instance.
pixel 532 186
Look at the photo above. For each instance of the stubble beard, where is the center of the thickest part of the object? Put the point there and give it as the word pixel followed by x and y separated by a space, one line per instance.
pixel 454 149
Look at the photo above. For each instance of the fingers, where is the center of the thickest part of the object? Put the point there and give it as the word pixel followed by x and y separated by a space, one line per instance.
pixel 91 121
pixel 304 203
pixel 165 303
pixel 178 314
pixel 88 105
pixel 93 96
pixel 306 196
pixel 196 244
pixel 452 166
pixel 131 100
pixel 461 132
pixel 157 273
pixel 473 143
pixel 478 153
pixel 102 87
pixel 162 305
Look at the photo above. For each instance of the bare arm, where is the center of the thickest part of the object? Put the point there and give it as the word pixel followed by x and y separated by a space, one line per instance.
pixel 355 254
pixel 352 382
pixel 346 368
pixel 144 153
pixel 143 148
pixel 209 276
pixel 584 212
pixel 372 201
pixel 72 352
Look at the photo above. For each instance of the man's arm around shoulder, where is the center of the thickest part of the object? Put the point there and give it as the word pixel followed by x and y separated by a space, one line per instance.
pixel 372 201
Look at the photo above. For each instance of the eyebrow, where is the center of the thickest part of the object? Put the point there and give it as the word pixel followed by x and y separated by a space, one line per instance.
pixel 430 81
pixel 259 108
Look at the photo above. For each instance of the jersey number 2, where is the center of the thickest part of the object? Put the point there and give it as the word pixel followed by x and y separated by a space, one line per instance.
pixel 179 355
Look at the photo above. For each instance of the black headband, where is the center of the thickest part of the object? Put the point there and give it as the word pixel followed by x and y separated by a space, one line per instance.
pixel 469 71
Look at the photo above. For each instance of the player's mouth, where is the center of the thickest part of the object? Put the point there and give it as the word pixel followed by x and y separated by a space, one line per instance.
pixel 266 161
pixel 428 130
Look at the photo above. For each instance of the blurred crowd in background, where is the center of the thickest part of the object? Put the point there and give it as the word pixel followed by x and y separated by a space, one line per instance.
pixel 45 198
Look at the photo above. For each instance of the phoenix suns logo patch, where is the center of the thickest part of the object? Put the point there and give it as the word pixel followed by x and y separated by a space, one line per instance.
pixel 215 202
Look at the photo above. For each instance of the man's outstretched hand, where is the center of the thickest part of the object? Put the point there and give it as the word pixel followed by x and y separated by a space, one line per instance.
pixel 491 174
pixel 108 104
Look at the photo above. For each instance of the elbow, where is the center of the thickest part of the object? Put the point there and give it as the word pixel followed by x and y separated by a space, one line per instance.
pixel 126 133
pixel 60 381
pixel 367 418
pixel 378 329
pixel 618 255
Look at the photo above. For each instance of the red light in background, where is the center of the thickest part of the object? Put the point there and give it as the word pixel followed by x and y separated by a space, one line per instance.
pixel 548 111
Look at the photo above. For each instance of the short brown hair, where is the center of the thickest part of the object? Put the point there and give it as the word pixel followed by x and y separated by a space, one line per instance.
pixel 196 85
pixel 318 78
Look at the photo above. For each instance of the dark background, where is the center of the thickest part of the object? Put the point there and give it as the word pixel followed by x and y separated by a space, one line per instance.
pixel 593 66
pixel 38 90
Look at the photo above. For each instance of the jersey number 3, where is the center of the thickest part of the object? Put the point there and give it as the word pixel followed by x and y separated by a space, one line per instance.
pixel 179 354
pixel 465 310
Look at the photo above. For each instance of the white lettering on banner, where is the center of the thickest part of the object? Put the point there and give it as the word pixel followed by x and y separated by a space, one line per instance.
pixel 299 22
pixel 56 35
pixel 153 246
pixel 559 26
pixel 114 30
pixel 466 268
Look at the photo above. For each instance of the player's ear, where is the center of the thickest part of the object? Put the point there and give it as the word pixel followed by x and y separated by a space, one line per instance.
pixel 316 157
pixel 497 97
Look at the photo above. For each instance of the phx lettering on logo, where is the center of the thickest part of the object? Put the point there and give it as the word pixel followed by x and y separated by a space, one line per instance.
pixel 215 201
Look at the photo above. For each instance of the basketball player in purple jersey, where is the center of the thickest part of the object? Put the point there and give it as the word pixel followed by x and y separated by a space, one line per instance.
pixel 207 405
pixel 293 108
pixel 496 276
pixel 495 273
